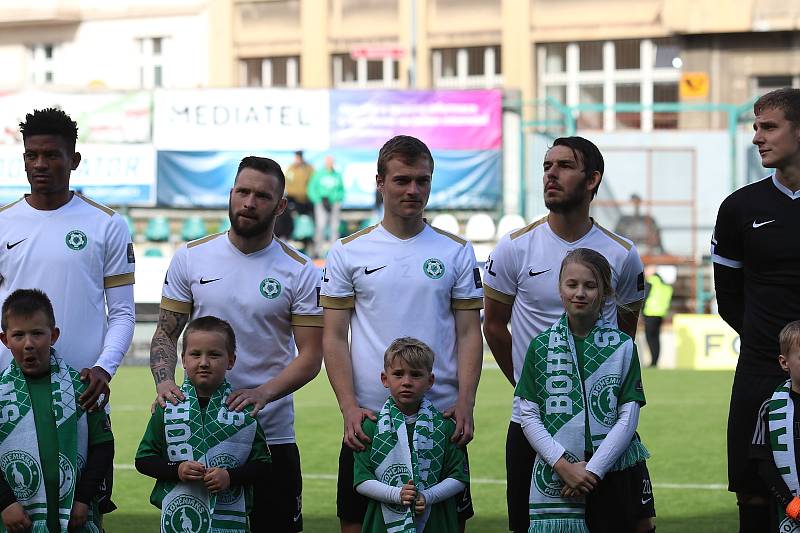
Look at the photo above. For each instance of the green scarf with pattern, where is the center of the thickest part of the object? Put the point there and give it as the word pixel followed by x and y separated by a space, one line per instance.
pixel 20 463
pixel 577 412
pixel 216 437
pixel 781 438
pixel 395 462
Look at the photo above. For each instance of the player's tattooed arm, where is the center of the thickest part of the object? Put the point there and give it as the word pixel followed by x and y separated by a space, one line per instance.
pixel 164 354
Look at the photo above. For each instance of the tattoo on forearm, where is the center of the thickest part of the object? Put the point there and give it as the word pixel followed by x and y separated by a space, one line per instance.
pixel 164 346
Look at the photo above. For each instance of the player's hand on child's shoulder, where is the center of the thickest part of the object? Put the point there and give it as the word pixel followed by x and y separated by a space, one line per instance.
pixel 78 516
pixel 217 479
pixel 354 435
pixel 167 391
pixel 408 494
pixel 191 471
pixel 15 519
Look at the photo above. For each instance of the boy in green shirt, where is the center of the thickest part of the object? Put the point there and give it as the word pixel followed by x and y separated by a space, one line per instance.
pixel 53 455
pixel 410 470
pixel 203 455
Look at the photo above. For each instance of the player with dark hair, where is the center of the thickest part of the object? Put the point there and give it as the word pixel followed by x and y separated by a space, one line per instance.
pixel 400 278
pixel 267 291
pixel 756 255
pixel 77 251
pixel 521 286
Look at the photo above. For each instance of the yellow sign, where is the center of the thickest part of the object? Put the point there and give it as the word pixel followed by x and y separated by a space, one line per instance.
pixel 704 342
pixel 694 85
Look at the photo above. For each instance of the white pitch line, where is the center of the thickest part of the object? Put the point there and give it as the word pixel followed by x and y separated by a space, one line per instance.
pixel 494 481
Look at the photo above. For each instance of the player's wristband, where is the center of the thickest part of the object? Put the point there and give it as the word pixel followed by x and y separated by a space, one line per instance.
pixel 793 509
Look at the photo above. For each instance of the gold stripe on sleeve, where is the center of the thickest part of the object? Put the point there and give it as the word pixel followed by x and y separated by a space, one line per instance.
pixel 12 204
pixel 105 209
pixel 333 302
pixel 498 296
pixel 176 306
pixel 288 250
pixel 314 321
pixel 460 304
pixel 449 235
pixel 118 280
pixel 614 237
pixel 529 227
pixel 356 235
pixel 201 240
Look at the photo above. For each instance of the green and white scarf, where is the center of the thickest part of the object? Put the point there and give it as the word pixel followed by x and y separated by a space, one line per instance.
pixel 570 406
pixel 781 437
pixel 395 462
pixel 216 437
pixel 20 462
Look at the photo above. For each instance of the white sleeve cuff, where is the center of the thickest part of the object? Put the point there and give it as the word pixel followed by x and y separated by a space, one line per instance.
pixel 121 323
pixel 439 492
pixel 375 490
pixel 617 440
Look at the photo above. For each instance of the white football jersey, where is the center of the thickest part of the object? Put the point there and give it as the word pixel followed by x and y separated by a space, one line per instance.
pixel 523 270
pixel 262 295
pixel 73 254
pixel 402 288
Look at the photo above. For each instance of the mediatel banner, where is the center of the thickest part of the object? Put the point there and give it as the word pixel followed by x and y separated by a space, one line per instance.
pixel 202 135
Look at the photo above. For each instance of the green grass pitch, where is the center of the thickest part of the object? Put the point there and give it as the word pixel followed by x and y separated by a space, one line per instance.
pixel 683 425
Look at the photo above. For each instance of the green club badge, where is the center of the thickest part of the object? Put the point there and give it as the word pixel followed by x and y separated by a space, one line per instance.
pixel 603 400
pixel 185 513
pixel 66 476
pixel 76 240
pixel 396 476
pixel 546 480
pixel 270 288
pixel 22 473
pixel 433 268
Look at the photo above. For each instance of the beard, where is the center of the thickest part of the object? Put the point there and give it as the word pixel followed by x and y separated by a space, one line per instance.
pixel 257 229
pixel 569 201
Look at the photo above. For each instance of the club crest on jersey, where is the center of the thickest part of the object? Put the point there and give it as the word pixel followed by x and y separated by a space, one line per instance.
pixel 547 481
pixel 22 473
pixel 270 288
pixel 185 514
pixel 396 476
pixel 76 240
pixel 603 400
pixel 433 268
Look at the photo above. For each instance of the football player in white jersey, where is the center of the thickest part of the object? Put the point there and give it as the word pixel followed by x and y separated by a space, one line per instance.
pixel 521 288
pixel 268 292
pixel 398 278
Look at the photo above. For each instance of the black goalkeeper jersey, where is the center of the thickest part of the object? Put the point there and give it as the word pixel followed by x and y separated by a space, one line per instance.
pixel 758 234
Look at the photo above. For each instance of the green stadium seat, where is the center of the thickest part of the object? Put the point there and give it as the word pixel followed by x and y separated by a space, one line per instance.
pixel 303 228
pixel 153 252
pixel 157 229
pixel 193 228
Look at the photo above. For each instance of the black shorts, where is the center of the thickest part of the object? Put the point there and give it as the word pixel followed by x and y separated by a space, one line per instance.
pixel 748 393
pixel 278 503
pixel 519 467
pixel 352 506
pixel 620 501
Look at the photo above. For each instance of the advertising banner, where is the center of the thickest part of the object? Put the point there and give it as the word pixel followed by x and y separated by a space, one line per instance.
pixel 704 342
pixel 112 174
pixel 240 119
pixel 108 117
pixel 462 180
pixel 444 120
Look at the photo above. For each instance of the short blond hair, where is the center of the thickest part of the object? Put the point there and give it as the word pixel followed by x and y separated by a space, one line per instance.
pixel 789 337
pixel 411 351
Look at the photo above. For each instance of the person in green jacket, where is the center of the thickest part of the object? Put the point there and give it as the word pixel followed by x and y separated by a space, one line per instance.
pixel 656 306
pixel 326 192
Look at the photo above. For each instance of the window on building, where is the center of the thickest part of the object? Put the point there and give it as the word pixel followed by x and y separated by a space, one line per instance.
pixel 281 71
pixel 42 65
pixel 765 84
pixel 363 72
pixel 470 67
pixel 610 73
pixel 151 62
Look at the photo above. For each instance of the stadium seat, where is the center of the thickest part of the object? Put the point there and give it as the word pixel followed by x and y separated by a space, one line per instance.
pixel 153 252
pixel 303 228
pixel 193 228
pixel 157 229
pixel 446 222
pixel 508 223
pixel 480 228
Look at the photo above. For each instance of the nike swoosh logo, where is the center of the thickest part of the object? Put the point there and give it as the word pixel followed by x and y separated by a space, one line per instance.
pixel 367 271
pixel 759 224
pixel 646 501
pixel 204 281
pixel 10 246
pixel 531 273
